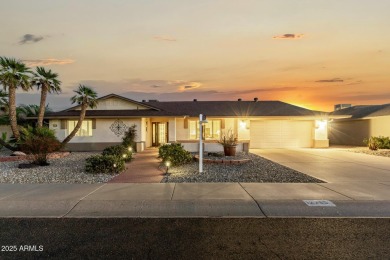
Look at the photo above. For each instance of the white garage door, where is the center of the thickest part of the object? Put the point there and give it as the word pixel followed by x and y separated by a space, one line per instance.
pixel 281 133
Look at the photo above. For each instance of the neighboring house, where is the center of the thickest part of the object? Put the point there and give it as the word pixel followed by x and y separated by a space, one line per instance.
pixel 258 124
pixel 362 122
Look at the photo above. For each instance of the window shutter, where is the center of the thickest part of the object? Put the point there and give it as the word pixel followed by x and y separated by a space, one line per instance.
pixel 63 124
pixel 94 123
pixel 222 123
pixel 185 123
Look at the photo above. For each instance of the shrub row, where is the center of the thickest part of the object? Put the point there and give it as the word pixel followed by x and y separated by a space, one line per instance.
pixel 174 153
pixel 380 142
pixel 113 158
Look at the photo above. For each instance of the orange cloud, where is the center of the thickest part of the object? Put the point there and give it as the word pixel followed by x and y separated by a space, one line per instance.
pixel 46 62
pixel 288 36
pixel 164 38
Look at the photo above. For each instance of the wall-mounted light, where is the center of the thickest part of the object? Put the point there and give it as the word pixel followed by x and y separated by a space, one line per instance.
pixel 321 124
pixel 244 124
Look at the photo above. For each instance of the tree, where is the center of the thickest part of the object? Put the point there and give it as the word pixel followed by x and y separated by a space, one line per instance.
pixel 25 111
pixel 3 100
pixel 48 82
pixel 86 97
pixel 14 74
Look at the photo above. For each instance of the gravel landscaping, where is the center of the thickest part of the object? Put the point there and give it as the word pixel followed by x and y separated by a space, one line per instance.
pixel 379 152
pixel 69 169
pixel 257 170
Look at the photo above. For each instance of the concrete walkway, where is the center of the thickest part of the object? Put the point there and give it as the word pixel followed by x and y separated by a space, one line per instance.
pixel 142 169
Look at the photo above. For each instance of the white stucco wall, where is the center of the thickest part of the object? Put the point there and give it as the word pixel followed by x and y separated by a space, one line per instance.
pixel 102 133
pixel 380 126
pixel 116 104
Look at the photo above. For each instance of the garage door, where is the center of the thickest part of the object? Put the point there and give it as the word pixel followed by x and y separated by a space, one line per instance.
pixel 281 134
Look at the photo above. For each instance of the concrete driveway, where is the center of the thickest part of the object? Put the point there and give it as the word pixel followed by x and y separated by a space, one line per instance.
pixel 332 165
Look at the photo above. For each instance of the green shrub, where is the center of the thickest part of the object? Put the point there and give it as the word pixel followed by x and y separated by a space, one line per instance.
pixel 119 151
pixel 4 138
pixel 375 143
pixel 110 164
pixel 174 153
pixel 38 142
pixel 128 139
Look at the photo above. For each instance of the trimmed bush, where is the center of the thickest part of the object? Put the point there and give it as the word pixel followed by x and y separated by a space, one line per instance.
pixel 375 143
pixel 110 164
pixel 174 153
pixel 38 142
pixel 128 139
pixel 119 151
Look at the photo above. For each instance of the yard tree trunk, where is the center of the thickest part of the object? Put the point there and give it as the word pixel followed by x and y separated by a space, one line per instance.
pixel 12 112
pixel 78 125
pixel 8 146
pixel 42 105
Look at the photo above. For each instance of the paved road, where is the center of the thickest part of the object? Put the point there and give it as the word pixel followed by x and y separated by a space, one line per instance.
pixel 129 238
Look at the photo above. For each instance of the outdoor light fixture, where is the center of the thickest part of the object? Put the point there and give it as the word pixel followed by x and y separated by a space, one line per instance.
pixel 243 124
pixel 124 155
pixel 114 165
pixel 130 149
pixel 167 164
pixel 321 124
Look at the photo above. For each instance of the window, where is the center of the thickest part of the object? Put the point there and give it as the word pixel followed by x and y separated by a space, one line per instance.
pixel 85 129
pixel 211 130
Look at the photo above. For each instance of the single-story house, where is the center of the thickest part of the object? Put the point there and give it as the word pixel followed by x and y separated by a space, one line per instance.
pixel 360 123
pixel 258 124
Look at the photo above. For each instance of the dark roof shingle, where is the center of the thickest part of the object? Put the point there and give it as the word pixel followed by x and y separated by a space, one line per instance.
pixel 209 108
pixel 364 111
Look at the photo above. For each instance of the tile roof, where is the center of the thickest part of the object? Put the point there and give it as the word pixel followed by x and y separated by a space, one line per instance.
pixel 194 108
pixel 364 111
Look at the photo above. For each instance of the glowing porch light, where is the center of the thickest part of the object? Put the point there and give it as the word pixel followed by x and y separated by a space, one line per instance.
pixel 321 124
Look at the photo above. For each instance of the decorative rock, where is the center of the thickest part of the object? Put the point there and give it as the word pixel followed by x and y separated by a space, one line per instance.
pixel 240 168
pixel 18 153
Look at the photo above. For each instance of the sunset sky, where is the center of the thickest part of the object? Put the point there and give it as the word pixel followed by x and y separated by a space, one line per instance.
pixel 311 53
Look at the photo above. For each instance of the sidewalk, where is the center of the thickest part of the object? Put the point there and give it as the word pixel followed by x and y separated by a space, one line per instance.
pixel 253 200
pixel 142 169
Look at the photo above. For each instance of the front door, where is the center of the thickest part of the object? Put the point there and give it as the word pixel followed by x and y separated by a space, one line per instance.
pixel 159 133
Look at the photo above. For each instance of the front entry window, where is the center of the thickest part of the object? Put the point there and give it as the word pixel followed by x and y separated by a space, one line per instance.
pixel 211 130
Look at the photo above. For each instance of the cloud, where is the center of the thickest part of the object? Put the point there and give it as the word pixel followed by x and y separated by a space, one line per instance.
pixel 330 80
pixel 30 38
pixel 164 38
pixel 290 36
pixel 46 62
pixel 141 85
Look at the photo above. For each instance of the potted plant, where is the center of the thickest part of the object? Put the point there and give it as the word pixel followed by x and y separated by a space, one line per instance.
pixel 229 142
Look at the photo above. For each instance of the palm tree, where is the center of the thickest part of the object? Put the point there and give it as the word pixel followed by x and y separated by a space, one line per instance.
pixel 86 97
pixel 3 99
pixel 48 82
pixel 14 74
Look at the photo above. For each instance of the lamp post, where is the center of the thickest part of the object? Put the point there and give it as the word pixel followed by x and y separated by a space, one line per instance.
pixel 202 119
